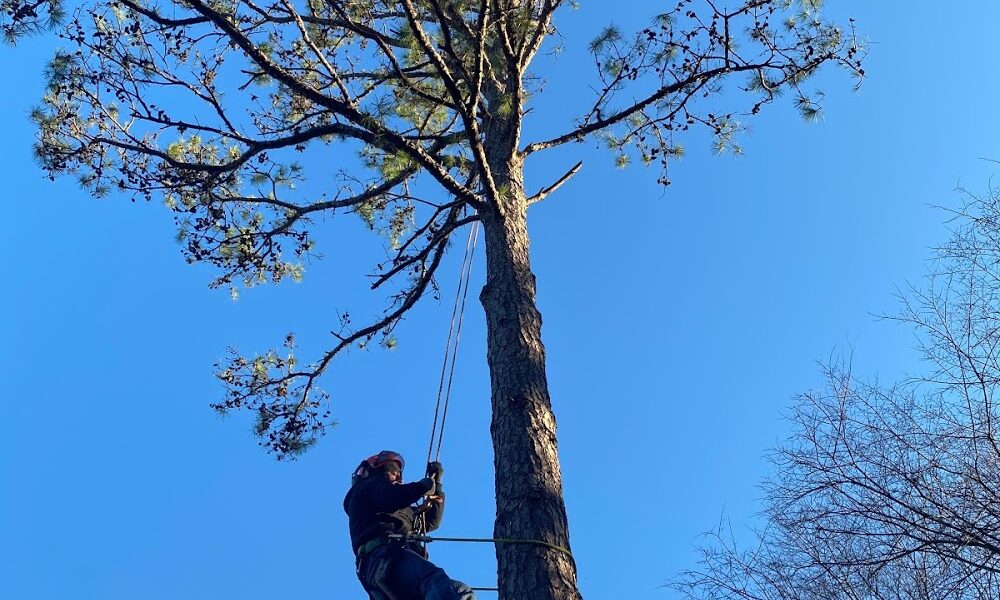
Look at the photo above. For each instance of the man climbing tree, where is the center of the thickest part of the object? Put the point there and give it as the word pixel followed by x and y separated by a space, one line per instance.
pixel 231 111
pixel 378 506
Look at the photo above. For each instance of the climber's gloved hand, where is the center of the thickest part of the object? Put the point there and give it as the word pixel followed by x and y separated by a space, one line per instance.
pixel 435 471
pixel 433 486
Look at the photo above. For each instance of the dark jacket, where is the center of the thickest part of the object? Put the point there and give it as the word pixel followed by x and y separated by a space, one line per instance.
pixel 375 507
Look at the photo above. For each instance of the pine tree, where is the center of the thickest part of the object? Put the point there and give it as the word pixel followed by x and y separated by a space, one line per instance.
pixel 220 108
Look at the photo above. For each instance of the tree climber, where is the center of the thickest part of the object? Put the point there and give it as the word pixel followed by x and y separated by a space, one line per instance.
pixel 380 504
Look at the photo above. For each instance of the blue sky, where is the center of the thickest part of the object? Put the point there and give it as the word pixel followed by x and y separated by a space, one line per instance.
pixel 678 327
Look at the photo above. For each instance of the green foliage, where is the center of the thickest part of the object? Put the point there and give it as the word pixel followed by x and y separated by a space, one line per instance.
pixel 663 20
pixel 212 119
pixel 505 107
pixel 395 164
pixel 399 224
pixel 609 35
pixel 666 55
pixel 726 128
pixel 810 109
pixel 367 211
pixel 419 113
pixel 614 66
pixel 20 18
pixel 265 382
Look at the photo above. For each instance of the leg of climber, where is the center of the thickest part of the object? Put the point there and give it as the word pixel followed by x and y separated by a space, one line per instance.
pixel 411 572
pixel 464 592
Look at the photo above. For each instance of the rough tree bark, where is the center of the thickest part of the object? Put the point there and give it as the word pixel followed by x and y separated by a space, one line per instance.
pixel 528 477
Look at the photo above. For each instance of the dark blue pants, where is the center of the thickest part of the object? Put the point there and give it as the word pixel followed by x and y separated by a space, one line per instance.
pixel 406 575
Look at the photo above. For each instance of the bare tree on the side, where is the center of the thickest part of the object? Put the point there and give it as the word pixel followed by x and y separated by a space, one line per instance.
pixel 890 492
pixel 257 121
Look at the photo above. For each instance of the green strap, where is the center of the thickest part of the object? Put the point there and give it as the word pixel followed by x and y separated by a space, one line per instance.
pixel 367 547
pixel 426 538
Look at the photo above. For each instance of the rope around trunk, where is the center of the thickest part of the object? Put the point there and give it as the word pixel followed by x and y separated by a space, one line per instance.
pixel 423 539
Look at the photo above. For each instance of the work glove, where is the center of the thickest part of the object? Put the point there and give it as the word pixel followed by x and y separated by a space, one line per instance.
pixel 433 484
pixel 435 471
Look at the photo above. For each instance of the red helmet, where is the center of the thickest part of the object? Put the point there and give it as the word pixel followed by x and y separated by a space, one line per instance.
pixel 385 456
pixel 375 462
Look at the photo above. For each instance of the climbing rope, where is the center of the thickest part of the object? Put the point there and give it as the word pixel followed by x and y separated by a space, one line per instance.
pixel 451 352
pixel 451 346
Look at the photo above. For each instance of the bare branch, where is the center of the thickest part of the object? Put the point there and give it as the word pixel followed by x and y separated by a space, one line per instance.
pixel 541 194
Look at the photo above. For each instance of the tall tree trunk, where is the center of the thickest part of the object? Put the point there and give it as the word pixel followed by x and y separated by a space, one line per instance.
pixel 528 478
